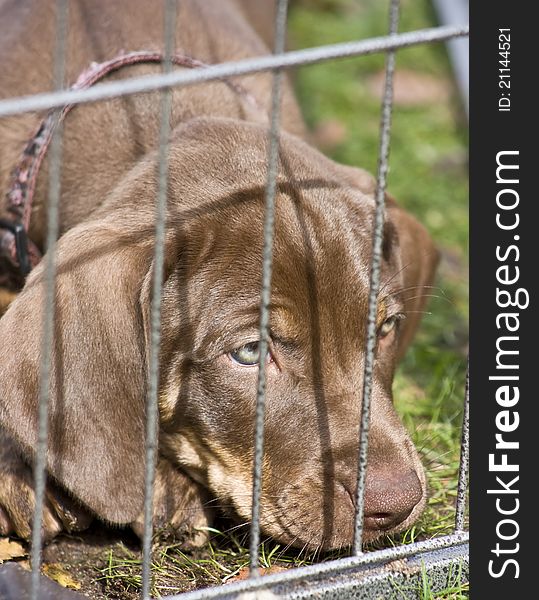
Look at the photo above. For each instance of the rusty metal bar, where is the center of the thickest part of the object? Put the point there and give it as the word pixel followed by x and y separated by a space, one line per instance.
pixel 464 459
pixel 150 83
pixel 265 294
pixel 376 261
pixel 47 340
pixel 152 418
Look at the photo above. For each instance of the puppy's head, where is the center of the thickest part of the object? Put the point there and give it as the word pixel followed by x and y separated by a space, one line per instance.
pixel 209 350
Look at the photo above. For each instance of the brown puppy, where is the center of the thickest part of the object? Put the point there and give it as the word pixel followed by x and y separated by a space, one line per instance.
pixel 208 369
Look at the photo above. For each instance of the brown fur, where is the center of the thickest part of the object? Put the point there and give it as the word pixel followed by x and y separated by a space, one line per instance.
pixel 217 174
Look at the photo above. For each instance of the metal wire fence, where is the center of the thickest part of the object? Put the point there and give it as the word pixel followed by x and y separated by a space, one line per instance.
pixel 170 78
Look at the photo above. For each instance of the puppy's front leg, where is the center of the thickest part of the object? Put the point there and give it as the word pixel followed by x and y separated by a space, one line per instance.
pixel 17 499
pixel 180 506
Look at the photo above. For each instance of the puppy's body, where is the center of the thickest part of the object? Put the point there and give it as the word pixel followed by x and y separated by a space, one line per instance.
pixel 104 140
pixel 217 175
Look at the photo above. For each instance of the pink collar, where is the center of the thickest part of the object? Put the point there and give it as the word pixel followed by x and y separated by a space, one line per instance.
pixel 18 254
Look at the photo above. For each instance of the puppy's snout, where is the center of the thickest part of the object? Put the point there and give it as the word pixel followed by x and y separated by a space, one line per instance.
pixel 390 499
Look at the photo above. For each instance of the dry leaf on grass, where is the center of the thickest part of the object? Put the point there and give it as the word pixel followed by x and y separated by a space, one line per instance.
pixel 244 573
pixel 24 564
pixel 57 573
pixel 9 550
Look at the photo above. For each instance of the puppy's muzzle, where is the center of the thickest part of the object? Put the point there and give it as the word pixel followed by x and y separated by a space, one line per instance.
pixel 390 500
pixel 312 513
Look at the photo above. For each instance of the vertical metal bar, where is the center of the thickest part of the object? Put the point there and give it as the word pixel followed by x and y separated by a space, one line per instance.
pixel 265 294
pixel 169 29
pixel 383 156
pixel 55 154
pixel 464 457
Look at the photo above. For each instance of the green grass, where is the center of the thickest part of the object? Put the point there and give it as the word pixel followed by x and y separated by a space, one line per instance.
pixel 225 558
pixel 457 588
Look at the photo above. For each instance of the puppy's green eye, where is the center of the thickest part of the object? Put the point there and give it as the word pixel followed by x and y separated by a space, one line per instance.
pixel 389 325
pixel 247 355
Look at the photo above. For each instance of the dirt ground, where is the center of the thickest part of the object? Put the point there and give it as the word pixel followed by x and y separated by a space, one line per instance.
pixel 105 564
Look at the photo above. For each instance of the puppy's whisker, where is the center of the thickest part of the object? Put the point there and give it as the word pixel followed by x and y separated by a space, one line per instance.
pixel 386 283
pixel 427 296
pixel 288 546
pixel 233 528
pixel 304 549
pixel 439 456
pixel 415 287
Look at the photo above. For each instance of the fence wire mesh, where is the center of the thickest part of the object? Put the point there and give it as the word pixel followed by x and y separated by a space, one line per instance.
pixel 166 81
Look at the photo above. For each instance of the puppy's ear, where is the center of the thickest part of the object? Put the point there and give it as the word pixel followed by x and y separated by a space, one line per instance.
pixel 359 178
pixel 98 370
pixel 419 258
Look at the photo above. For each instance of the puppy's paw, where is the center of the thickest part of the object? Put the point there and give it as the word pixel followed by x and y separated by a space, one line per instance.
pixel 17 503
pixel 180 507
pixel 17 500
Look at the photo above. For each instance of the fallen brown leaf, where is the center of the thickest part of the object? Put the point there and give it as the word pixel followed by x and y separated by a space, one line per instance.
pixel 57 573
pixel 10 549
pixel 244 573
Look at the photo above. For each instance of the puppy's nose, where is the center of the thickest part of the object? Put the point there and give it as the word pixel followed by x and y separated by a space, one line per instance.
pixel 390 498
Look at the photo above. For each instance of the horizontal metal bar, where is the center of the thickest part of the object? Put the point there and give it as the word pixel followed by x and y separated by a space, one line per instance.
pixel 325 569
pixel 150 83
pixel 437 570
pixel 443 567
pixel 405 579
